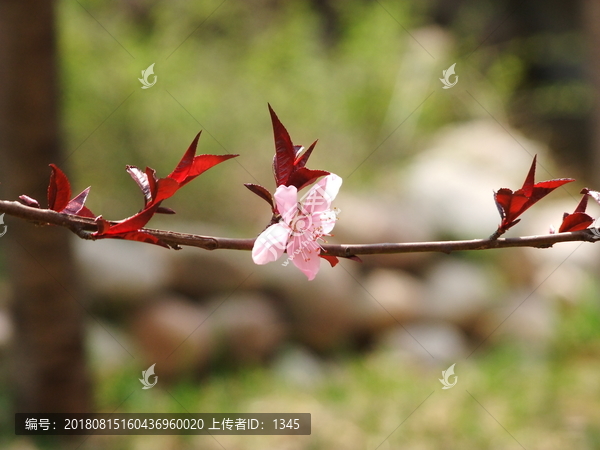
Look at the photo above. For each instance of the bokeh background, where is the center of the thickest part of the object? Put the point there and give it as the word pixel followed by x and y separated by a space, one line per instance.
pixel 362 347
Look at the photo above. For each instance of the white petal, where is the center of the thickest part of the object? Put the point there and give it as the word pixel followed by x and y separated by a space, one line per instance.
pixel 270 244
pixel 320 196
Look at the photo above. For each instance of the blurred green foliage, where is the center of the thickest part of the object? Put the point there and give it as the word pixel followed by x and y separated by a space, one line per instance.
pixel 359 95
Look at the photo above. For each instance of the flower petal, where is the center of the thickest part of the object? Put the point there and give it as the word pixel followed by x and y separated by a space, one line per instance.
pixel 286 199
pixel 328 220
pixel 319 197
pixel 309 263
pixel 270 244
pixel 304 253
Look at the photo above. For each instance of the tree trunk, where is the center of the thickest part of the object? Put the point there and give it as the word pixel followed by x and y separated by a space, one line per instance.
pixel 48 365
pixel 591 29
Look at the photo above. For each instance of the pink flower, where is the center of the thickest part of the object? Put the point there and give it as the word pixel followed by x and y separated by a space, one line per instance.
pixel 302 224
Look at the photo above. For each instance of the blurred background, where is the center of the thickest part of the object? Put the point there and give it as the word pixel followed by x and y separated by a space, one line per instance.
pixel 362 346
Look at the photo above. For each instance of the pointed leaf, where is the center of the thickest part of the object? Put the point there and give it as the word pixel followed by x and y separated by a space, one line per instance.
pixel 59 189
pixel 540 190
pixel 333 260
pixel 77 204
pixel 302 160
pixel 575 222
pixel 578 220
pixel 182 169
pixel 262 192
pixel 132 223
pixel 530 179
pixel 285 153
pixel 202 163
pixel 552 184
pixel 581 207
pixel 512 204
pixel 128 229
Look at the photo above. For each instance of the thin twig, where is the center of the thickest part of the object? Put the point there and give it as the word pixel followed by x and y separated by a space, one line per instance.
pixel 82 227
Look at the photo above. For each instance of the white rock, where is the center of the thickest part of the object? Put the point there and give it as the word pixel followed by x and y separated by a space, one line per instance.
pixel 119 268
pixel 108 347
pixel 300 367
pixel 247 327
pixel 525 316
pixel 458 291
pixel 175 334
pixel 428 342
pixel 392 297
pixel 453 181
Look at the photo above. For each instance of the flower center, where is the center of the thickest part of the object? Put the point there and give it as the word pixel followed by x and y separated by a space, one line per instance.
pixel 301 223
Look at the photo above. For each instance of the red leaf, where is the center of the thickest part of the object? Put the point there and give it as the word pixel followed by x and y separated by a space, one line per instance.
pixel 165 188
pixel 261 192
pixel 333 260
pixel 575 222
pixel 59 192
pixel 512 204
pixel 129 228
pixel 285 153
pixel 181 171
pixel 301 160
pixel 132 223
pixel 578 220
pixel 530 179
pixel 581 207
pixel 202 163
pixel 190 167
pixel 156 190
pixel 85 212
pixel 59 189
pixel 28 201
pixel 76 206
pixel 303 177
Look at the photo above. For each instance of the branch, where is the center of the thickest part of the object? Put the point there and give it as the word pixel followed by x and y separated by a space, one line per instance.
pixel 82 226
